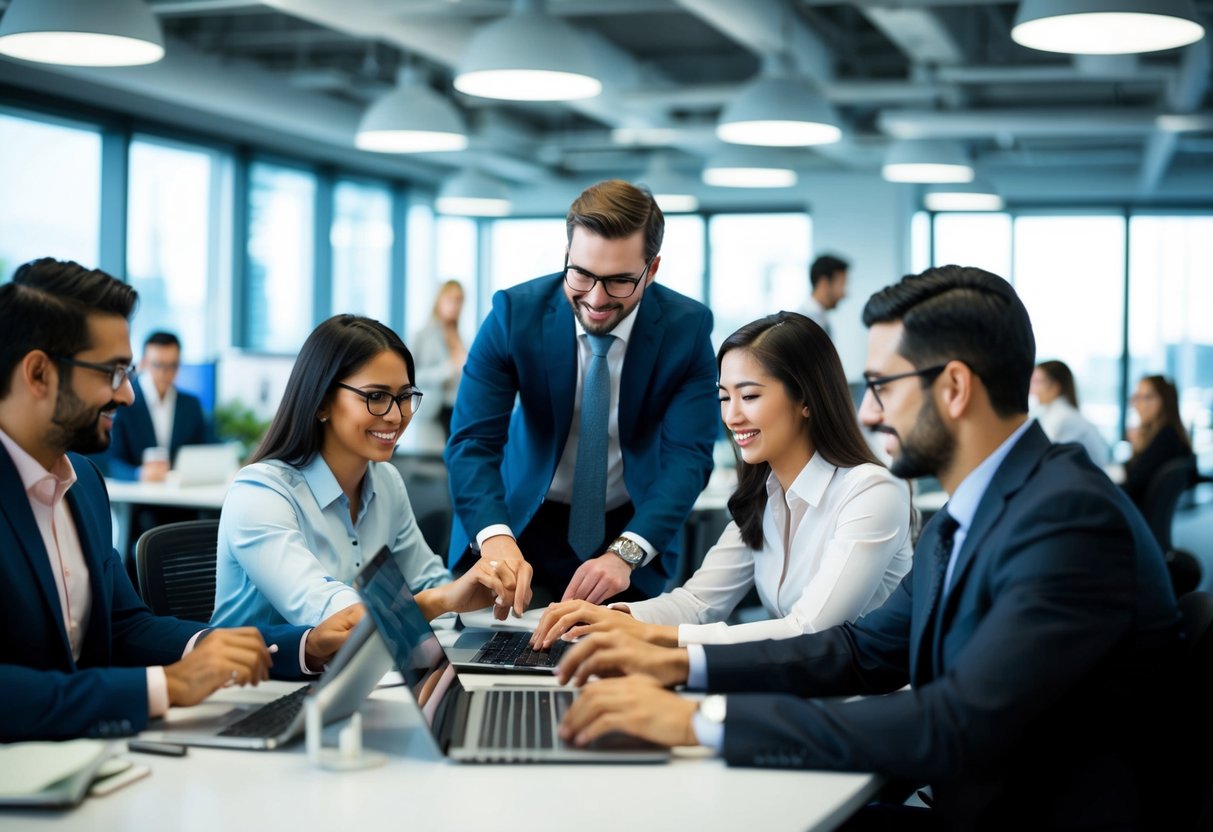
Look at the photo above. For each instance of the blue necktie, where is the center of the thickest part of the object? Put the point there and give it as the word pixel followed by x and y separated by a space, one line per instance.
pixel 587 524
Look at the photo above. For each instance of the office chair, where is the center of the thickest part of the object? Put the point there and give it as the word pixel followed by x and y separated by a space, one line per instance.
pixel 176 567
pixel 1161 499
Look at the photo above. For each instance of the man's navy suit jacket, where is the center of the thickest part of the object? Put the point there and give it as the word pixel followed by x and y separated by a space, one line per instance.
pixel 133 433
pixel 44 693
pixel 1044 661
pixel 515 407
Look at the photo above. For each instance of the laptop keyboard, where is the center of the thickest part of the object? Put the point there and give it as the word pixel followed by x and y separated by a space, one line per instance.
pixel 270 719
pixel 514 650
pixel 523 719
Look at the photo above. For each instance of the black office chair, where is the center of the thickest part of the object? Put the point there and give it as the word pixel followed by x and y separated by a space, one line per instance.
pixel 1161 500
pixel 176 566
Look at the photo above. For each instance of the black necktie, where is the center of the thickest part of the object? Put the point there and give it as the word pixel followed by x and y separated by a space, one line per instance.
pixel 943 554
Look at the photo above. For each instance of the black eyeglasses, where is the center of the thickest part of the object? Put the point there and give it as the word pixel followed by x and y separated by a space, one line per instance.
pixel 118 373
pixel 874 383
pixel 617 286
pixel 379 402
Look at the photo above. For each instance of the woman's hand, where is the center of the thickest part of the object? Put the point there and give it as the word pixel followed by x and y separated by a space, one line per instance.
pixel 573 619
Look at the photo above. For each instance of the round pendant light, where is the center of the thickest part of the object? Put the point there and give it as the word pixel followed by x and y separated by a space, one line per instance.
pixel 926 161
pixel 1106 27
pixel 973 196
pixel 471 193
pixel 778 110
pixel 411 119
pixel 674 193
pixel 81 32
pixel 738 167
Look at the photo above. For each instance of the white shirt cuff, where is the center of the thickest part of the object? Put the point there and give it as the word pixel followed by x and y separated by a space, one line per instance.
pixel 157 690
pixel 303 655
pixel 650 552
pixel 697 667
pixel 707 733
pixel 492 531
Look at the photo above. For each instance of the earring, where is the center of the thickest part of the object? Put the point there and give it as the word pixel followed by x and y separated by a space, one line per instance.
pixel 323 419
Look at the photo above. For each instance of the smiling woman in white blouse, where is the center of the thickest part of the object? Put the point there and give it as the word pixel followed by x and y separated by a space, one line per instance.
pixel 820 528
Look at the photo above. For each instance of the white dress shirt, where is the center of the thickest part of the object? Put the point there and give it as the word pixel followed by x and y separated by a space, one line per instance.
pixel 161 410
pixel 1062 423
pixel 834 547
pixel 561 489
pixel 817 313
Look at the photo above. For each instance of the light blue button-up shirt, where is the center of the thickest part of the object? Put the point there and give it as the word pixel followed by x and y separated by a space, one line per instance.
pixel 288 550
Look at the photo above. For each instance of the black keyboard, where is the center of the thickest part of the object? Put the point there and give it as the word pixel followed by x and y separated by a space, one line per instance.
pixel 514 650
pixel 270 719
pixel 523 719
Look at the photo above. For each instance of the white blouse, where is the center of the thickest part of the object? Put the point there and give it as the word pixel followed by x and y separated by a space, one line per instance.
pixel 833 549
pixel 1062 423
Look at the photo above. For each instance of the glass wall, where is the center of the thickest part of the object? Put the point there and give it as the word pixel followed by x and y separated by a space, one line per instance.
pixel 50 192
pixel 759 265
pixel 982 240
pixel 523 249
pixel 280 257
pixel 173 247
pixel 1171 310
pixel 441 248
pixel 361 239
pixel 682 266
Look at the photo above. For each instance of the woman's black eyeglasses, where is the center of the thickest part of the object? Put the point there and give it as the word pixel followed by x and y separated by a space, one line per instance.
pixel 379 402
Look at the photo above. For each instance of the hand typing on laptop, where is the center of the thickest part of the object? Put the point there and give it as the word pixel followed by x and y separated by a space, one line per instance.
pixel 635 705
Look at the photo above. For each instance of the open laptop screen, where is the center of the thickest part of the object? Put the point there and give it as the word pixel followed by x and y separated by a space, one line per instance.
pixel 409 638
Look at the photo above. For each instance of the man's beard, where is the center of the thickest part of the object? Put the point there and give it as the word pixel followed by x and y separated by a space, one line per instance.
pixel 75 426
pixel 596 328
pixel 927 449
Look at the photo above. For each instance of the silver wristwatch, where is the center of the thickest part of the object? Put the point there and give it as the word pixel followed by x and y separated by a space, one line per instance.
pixel 629 550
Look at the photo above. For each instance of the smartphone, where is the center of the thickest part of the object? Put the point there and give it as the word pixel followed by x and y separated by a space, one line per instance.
pixel 105 784
pixel 167 749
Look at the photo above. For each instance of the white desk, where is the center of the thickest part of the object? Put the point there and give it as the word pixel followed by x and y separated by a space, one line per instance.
pixel 212 790
pixel 124 495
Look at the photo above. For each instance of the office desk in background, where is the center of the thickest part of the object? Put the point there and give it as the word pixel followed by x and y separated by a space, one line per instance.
pixel 213 789
pixel 125 495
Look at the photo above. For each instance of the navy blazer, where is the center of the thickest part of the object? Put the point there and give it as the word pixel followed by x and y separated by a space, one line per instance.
pixel 1026 694
pixel 524 360
pixel 133 433
pixel 44 693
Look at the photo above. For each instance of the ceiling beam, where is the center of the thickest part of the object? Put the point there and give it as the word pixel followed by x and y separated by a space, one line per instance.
pixel 1183 95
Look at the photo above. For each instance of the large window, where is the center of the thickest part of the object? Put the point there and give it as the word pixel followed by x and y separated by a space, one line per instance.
pixel 50 192
pixel 361 238
pixel 760 265
pixel 1170 303
pixel 1069 271
pixel 682 255
pixel 440 249
pixel 981 240
pixel 174 244
pixel 523 249
pixel 280 257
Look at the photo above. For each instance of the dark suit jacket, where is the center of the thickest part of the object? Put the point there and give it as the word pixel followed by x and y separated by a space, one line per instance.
pixel 133 433
pixel 44 694
pixel 1140 470
pixel 501 463
pixel 1025 706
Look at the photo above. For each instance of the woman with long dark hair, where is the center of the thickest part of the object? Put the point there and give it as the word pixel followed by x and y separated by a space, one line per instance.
pixel 1159 437
pixel 321 496
pixel 820 528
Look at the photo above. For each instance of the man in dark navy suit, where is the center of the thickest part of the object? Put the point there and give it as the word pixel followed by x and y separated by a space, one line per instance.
pixel 81 655
pixel 585 418
pixel 1021 666
pixel 161 416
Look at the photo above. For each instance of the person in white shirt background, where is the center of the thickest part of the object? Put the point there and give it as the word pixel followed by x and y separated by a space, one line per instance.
pixel 1055 400
pixel 828 287
pixel 821 529
pixel 440 354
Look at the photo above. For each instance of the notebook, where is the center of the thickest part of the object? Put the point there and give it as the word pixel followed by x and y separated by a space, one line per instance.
pixel 512 724
pixel 50 774
pixel 206 464
pixel 349 679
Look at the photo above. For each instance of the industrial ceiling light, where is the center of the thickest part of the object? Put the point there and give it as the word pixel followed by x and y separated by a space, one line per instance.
pixel 527 55
pixel 778 110
pixel 411 119
pixel 1106 27
pixel 82 32
pixel 471 193
pixel 974 196
pixel 673 192
pixel 738 167
pixel 927 162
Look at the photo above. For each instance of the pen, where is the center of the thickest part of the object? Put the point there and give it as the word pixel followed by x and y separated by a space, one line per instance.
pixel 273 648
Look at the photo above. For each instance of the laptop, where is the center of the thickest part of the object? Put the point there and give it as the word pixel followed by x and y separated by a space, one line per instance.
pixel 502 724
pixel 349 679
pixel 206 464
pixel 503 651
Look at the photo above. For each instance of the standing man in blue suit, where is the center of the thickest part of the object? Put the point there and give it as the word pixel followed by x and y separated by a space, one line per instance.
pixel 584 424
pixel 1035 629
pixel 160 417
pixel 81 655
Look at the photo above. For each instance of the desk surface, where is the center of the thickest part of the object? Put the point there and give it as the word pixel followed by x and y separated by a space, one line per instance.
pixel 417 789
pixel 123 492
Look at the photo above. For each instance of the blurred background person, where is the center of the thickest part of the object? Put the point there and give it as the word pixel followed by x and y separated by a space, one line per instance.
pixel 440 354
pixel 1159 437
pixel 828 286
pixel 1057 411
